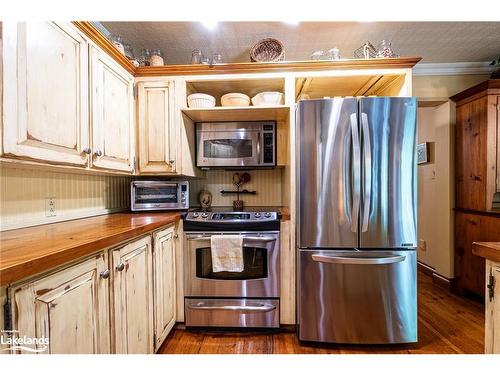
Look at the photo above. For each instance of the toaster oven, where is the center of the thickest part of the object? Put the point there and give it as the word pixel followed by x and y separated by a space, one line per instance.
pixel 159 195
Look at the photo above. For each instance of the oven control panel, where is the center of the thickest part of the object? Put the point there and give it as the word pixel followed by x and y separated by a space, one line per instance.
pixel 231 217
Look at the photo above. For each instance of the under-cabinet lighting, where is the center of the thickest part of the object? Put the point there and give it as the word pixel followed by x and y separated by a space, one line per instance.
pixel 210 25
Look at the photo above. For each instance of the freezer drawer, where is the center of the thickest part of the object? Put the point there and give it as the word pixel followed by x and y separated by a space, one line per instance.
pixel 361 297
pixel 242 312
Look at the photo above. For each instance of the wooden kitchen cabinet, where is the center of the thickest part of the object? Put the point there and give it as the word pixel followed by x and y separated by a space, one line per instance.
pixel 112 114
pixel 70 307
pixel 45 104
pixel 492 310
pixel 476 149
pixel 158 127
pixel 133 297
pixel 469 268
pixel 164 284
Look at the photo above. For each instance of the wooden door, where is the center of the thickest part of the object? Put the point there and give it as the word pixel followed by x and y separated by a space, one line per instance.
pixel 471 147
pixel 112 114
pixel 46 90
pixel 69 307
pixel 158 133
pixel 133 297
pixel 164 283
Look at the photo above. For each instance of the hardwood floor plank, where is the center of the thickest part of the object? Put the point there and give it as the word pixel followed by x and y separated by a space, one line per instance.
pixel 448 324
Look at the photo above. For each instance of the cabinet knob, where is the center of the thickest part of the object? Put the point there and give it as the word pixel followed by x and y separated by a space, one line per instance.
pixel 104 274
pixel 171 161
pixel 120 267
pixel 176 236
pixel 87 150
pixel 98 153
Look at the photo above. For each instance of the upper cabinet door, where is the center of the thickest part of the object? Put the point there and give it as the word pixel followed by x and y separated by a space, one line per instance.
pixel 157 127
pixel 45 92
pixel 112 114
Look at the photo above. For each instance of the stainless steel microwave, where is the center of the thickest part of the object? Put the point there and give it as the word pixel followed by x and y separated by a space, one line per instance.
pixel 235 144
pixel 159 195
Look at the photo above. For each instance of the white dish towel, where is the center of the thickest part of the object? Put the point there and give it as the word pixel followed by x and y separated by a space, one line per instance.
pixel 227 253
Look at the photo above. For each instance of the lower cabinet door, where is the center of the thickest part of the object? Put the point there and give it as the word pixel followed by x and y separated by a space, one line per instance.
pixel 68 308
pixel 133 297
pixel 492 309
pixel 164 284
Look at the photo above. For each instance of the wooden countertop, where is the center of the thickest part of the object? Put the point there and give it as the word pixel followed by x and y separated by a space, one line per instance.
pixel 488 250
pixel 28 251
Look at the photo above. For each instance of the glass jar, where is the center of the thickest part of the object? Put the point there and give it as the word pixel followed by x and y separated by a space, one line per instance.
pixel 317 55
pixel 117 42
pixel 144 57
pixel 217 58
pixel 196 56
pixel 333 54
pixel 129 51
pixel 156 58
pixel 384 49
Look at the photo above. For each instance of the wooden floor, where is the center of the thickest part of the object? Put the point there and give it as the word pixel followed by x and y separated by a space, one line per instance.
pixel 446 324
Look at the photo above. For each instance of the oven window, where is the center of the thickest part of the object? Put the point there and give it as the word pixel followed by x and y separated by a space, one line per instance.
pixel 254 265
pixel 227 148
pixel 159 194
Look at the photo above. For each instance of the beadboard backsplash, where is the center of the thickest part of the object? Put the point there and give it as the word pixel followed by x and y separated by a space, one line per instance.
pixel 24 193
pixel 267 183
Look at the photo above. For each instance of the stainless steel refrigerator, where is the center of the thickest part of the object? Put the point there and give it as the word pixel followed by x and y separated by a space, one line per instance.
pixel 357 220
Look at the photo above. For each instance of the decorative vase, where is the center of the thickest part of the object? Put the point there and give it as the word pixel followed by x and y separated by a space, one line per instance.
pixel 205 198
pixel 237 205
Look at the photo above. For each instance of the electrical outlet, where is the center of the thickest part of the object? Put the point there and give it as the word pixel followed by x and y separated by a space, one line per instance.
pixel 50 207
pixel 422 245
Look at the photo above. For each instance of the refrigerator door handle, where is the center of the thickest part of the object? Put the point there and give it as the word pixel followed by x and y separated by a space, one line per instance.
pixel 357 172
pixel 346 259
pixel 368 172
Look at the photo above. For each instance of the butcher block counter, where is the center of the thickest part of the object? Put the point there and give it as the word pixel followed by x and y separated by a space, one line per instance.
pixel 28 251
pixel 488 250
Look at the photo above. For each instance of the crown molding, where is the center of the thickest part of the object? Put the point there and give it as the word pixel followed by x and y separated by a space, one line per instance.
pixel 447 69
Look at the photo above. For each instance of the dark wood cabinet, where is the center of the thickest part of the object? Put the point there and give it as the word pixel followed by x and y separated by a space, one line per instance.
pixel 469 268
pixel 477 166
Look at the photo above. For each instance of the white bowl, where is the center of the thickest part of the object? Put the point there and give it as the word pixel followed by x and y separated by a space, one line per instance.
pixel 268 98
pixel 235 99
pixel 201 101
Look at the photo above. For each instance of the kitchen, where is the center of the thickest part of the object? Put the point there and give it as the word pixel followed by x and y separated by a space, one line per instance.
pixel 272 205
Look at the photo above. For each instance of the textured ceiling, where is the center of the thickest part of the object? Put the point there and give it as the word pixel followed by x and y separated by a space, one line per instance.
pixel 434 41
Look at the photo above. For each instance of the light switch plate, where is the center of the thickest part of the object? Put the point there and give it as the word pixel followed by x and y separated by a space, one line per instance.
pixel 422 245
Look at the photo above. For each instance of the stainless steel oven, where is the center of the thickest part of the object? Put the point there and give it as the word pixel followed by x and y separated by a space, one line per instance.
pixel 159 195
pixel 235 144
pixel 232 299
pixel 260 275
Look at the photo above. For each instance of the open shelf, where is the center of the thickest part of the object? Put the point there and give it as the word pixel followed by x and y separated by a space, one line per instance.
pixel 356 85
pixel 250 113
pixel 249 86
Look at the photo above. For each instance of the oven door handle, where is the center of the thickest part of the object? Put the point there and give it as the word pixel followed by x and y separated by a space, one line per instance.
pixel 258 239
pixel 264 307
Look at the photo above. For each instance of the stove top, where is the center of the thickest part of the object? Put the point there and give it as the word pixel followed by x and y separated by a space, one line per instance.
pixel 225 219
pixel 232 216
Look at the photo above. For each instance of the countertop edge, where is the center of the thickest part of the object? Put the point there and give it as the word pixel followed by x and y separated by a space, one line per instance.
pixel 46 262
pixel 488 250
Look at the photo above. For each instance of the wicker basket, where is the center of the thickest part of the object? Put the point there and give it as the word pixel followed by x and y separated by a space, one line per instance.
pixel 266 50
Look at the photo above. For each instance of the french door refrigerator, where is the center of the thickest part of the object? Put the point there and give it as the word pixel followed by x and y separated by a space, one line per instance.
pixel 357 220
